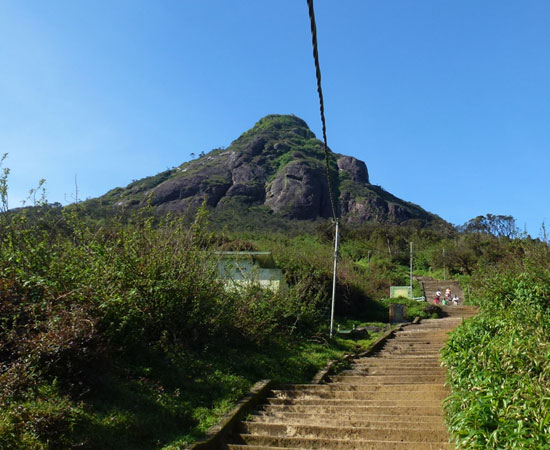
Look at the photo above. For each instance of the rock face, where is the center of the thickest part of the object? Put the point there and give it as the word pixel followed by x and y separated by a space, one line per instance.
pixel 357 169
pixel 278 164
pixel 299 191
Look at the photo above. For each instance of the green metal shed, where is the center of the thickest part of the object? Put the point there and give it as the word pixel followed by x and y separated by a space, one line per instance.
pixel 242 268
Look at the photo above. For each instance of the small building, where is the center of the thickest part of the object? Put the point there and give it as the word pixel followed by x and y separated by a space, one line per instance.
pixel 242 268
pixel 404 291
pixel 400 291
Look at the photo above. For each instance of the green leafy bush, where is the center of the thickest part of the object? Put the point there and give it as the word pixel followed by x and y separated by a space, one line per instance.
pixel 85 308
pixel 499 362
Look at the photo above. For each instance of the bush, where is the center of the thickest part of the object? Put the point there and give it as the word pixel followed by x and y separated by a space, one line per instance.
pixel 499 362
pixel 80 304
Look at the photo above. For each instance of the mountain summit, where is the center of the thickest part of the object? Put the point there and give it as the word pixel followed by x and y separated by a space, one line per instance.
pixel 279 165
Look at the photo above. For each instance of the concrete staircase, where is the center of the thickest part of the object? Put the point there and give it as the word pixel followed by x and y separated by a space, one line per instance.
pixel 431 286
pixel 389 401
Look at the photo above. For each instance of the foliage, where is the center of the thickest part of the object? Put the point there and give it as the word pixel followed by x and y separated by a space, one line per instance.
pixel 413 308
pixel 80 305
pixel 4 185
pixel 116 333
pixel 499 361
pixel 497 225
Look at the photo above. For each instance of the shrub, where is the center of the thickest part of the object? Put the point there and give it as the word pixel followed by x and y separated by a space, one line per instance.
pixel 499 361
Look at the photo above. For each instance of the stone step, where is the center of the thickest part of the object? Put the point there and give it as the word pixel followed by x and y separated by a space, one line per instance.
pixel 388 401
pixel 404 346
pixel 330 421
pixel 433 410
pixel 394 420
pixel 431 348
pixel 430 351
pixel 403 351
pixel 419 338
pixel 380 371
pixel 388 379
pixel 412 352
pixel 333 387
pixel 353 380
pixel 255 447
pixel 400 367
pixel 433 332
pixel 365 446
pixel 413 369
pixel 389 365
pixel 361 433
pixel 397 364
pixel 340 444
pixel 382 354
pixel 434 336
pixel 406 357
pixel 322 402
pixel 439 394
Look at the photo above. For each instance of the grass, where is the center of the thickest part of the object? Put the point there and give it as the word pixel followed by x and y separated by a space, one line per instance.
pixel 228 373
pixel 153 402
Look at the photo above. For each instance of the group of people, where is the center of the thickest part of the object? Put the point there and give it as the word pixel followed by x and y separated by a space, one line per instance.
pixel 447 299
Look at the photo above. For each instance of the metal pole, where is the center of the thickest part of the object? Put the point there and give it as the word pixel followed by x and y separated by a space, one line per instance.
pixel 334 278
pixel 411 269
pixel 444 265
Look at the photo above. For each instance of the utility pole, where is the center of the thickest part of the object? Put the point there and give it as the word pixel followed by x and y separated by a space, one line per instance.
pixel 444 265
pixel 334 278
pixel 411 269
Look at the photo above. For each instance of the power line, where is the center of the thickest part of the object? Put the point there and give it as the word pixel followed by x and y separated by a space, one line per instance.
pixel 321 104
pixel 329 178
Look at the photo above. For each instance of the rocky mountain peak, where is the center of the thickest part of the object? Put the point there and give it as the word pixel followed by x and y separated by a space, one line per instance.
pixel 278 164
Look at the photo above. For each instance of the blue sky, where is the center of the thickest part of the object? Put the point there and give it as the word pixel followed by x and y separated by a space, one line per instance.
pixel 447 102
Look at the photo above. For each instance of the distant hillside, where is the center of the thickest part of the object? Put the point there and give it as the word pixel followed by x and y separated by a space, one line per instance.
pixel 275 168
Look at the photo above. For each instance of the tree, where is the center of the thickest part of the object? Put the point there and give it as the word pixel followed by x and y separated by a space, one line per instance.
pixel 497 225
pixel 4 185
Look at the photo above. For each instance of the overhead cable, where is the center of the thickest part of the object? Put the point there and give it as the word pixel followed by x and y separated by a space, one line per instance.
pixel 321 105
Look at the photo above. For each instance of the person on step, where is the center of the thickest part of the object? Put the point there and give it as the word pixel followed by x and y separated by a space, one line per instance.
pixel 437 299
pixel 455 300
pixel 448 294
